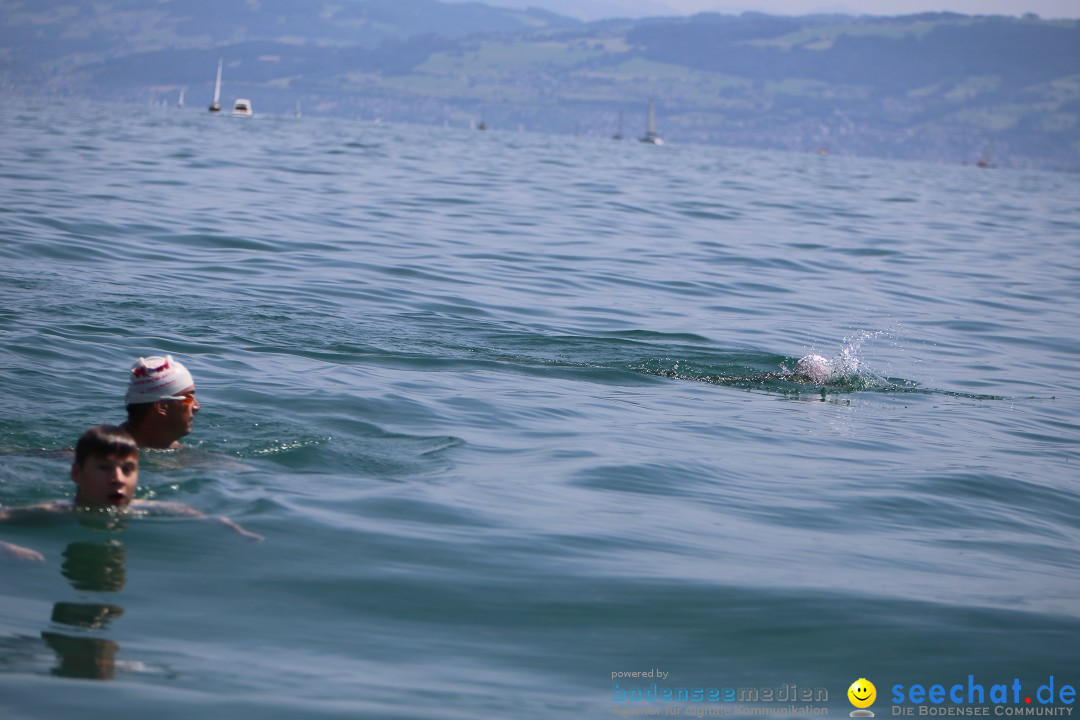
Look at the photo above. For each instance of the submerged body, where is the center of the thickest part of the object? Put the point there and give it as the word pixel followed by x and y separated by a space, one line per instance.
pixel 809 370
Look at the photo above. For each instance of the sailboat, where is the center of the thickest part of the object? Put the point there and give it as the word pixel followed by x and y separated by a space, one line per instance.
pixel 297 108
pixel 618 135
pixel 215 106
pixel 987 158
pixel 650 135
pixel 180 101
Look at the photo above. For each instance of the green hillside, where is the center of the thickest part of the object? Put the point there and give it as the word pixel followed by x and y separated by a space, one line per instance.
pixel 934 87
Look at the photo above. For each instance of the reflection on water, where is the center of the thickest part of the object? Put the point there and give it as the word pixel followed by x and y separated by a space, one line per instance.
pixel 83 657
pixel 88 616
pixel 95 567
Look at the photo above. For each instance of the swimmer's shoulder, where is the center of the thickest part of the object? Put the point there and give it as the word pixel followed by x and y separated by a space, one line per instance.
pixel 164 508
pixel 38 511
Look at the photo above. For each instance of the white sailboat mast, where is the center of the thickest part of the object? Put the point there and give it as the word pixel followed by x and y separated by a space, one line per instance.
pixel 217 85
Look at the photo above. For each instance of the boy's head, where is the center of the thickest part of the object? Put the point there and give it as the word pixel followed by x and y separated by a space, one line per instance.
pixel 106 467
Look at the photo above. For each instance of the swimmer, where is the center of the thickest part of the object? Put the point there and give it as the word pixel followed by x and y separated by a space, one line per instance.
pixel 161 403
pixel 105 473
pixel 808 369
pixel 814 368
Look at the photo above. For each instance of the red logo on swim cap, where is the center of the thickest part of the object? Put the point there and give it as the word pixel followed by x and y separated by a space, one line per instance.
pixel 144 371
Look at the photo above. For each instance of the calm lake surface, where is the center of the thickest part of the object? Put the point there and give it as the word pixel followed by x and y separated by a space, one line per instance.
pixel 514 414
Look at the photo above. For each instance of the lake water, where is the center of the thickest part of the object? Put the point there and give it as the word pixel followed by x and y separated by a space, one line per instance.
pixel 513 414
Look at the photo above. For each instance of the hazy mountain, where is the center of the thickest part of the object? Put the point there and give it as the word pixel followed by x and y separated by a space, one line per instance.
pixel 54 28
pixel 593 9
pixel 930 86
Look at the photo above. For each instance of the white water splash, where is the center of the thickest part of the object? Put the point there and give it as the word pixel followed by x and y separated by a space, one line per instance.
pixel 848 360
pixel 847 364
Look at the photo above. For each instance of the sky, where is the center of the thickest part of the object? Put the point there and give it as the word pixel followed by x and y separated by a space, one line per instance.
pixel 597 9
pixel 1043 8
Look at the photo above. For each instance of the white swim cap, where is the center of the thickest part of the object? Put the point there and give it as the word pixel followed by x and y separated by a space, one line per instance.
pixel 156 378
pixel 814 367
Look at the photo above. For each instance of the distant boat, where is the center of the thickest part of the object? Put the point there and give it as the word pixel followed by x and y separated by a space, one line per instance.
pixel 650 135
pixel 215 106
pixel 297 108
pixel 180 101
pixel 481 125
pixel 618 134
pixel 987 158
pixel 242 107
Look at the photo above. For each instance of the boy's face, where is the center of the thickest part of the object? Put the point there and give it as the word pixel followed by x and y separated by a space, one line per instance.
pixel 106 480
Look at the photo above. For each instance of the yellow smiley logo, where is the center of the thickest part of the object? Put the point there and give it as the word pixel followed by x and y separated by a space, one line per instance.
pixel 862 693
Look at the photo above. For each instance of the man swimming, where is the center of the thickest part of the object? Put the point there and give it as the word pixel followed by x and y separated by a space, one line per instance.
pixel 809 370
pixel 161 403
